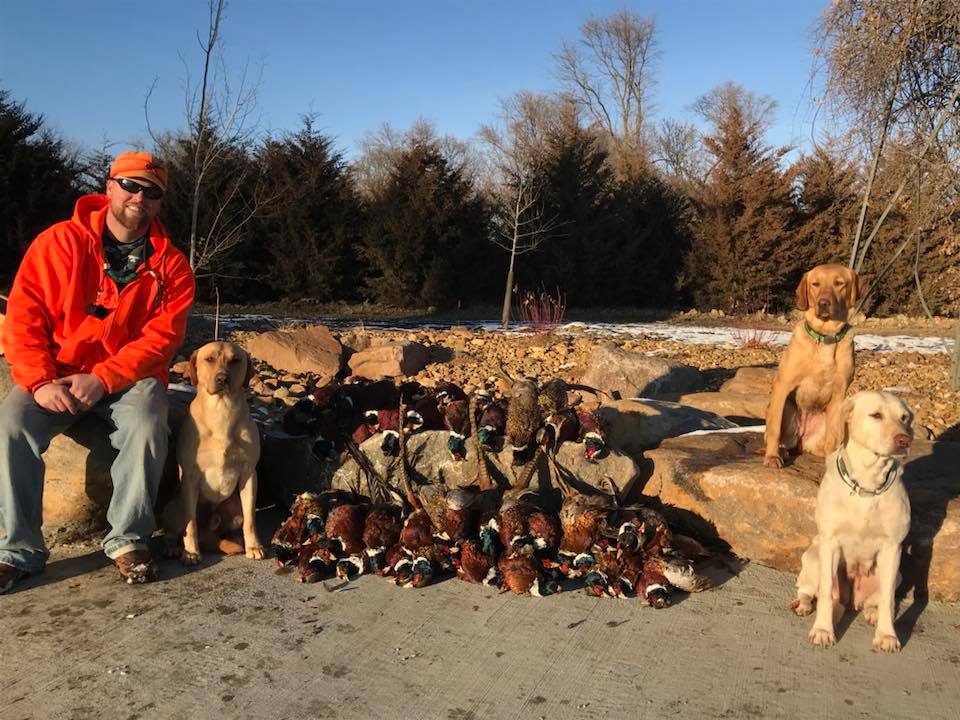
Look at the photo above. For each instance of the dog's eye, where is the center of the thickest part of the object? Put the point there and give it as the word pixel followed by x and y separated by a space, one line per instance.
pixel 208 359
pixel 815 283
pixel 233 360
pixel 876 415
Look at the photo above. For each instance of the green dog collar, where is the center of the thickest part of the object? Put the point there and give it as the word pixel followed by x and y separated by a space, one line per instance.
pixel 822 339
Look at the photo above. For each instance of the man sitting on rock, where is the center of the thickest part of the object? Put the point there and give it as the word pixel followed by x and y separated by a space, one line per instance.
pixel 98 307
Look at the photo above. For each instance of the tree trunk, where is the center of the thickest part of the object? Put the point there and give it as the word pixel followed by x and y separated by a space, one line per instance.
pixel 193 226
pixel 955 373
pixel 505 313
pixel 866 193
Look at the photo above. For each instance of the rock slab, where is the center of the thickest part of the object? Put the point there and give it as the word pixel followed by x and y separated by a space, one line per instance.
pixel 633 426
pixel 431 462
pixel 751 380
pixel 288 467
pixel 392 359
pixel 312 349
pixel 742 408
pixel 631 374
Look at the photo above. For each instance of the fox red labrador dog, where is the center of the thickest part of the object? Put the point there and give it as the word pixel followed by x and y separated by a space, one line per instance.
pixel 816 368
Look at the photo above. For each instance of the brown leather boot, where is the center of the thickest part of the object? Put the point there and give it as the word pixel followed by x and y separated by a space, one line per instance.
pixel 136 566
pixel 9 575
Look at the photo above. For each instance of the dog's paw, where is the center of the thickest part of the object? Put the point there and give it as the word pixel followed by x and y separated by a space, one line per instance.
pixel 172 550
pixel 870 614
pixel 189 558
pixel 886 643
pixel 773 461
pixel 822 637
pixel 255 552
pixel 802 606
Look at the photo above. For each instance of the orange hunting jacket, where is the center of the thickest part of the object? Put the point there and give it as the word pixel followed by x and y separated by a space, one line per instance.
pixel 50 330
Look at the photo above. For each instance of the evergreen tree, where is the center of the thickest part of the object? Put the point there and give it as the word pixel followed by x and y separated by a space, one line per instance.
pixel 655 222
pixel 743 237
pixel 827 204
pixel 38 181
pixel 308 234
pixel 579 192
pixel 424 238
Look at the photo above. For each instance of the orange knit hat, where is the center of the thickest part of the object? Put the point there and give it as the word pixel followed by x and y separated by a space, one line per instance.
pixel 140 166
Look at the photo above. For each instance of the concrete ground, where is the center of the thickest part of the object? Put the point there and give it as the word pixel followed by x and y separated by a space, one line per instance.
pixel 233 639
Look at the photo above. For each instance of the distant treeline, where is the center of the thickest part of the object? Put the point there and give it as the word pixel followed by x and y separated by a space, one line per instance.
pixel 416 219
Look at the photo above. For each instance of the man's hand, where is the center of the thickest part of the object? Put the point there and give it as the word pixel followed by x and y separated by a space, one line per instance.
pixel 86 389
pixel 56 398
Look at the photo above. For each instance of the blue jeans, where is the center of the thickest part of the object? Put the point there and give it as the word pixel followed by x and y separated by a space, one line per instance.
pixel 139 416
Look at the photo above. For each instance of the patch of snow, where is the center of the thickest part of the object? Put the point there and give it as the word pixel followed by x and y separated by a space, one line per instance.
pixel 183 387
pixel 685 334
pixel 728 336
pixel 734 430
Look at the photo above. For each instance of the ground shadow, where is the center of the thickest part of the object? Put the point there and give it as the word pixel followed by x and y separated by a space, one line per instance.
pixel 842 624
pixel 439 354
pixel 744 421
pixel 931 482
pixel 64 570
pixel 951 434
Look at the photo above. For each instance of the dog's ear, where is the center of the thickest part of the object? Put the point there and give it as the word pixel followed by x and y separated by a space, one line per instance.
pixel 192 369
pixel 859 286
pixel 846 412
pixel 802 301
pixel 251 370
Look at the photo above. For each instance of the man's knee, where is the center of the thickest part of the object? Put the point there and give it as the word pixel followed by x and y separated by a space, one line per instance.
pixel 143 411
pixel 16 412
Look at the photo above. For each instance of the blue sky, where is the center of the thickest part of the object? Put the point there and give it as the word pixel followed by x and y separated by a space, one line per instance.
pixel 87 66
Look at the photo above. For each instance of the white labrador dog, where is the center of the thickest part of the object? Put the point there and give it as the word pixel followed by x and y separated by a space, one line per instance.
pixel 863 515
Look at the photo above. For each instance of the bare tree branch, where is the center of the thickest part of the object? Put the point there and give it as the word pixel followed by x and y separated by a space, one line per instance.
pixel 221 120
pixel 610 74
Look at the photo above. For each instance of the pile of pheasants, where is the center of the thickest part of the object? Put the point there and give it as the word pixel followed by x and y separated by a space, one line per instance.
pixel 512 538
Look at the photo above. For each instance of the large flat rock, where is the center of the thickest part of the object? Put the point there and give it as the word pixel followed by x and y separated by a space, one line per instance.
pixel 391 359
pixel 289 467
pixel 751 379
pixel 767 515
pixel 312 349
pixel 623 373
pixel 431 462
pixel 639 424
pixel 742 408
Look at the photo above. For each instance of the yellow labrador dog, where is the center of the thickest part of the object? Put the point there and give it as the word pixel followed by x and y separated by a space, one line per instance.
pixel 217 449
pixel 863 515
pixel 816 368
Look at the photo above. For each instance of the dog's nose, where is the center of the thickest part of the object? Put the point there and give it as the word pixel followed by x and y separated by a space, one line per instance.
pixel 902 441
pixel 823 305
pixel 220 378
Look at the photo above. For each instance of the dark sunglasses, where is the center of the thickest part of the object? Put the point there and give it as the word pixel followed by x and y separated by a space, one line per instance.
pixel 150 192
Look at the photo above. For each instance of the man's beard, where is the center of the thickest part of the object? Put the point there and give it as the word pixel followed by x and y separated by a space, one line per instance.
pixel 133 223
